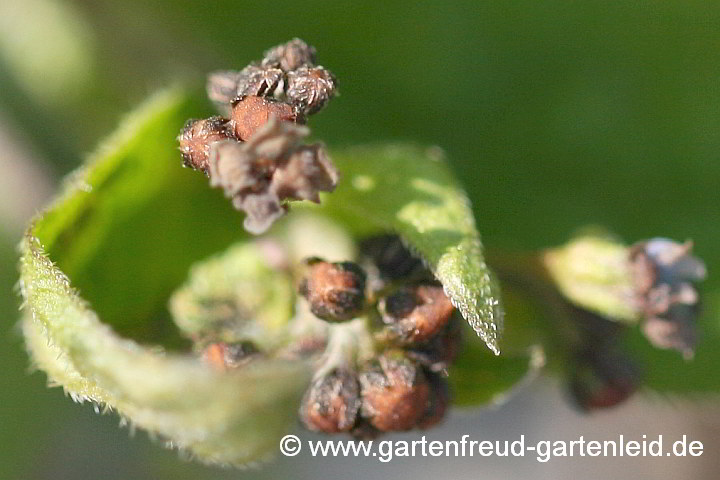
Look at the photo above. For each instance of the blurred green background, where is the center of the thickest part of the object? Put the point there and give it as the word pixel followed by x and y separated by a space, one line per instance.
pixel 554 114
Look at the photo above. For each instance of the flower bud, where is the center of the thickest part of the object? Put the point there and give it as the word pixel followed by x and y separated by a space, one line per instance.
pixel 290 56
pixel 309 89
pixel 197 137
pixel 224 356
pixel 251 113
pixel 335 291
pixel 395 392
pixel 259 80
pixel 332 402
pixel 664 273
pixel 416 314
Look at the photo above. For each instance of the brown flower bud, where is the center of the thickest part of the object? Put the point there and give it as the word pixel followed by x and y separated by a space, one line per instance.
pixel 395 392
pixel 251 113
pixel 197 137
pixel 335 291
pixel 332 402
pixel 309 89
pixel 439 401
pixel 307 172
pixel 416 314
pixel 224 356
pixel 245 171
pixel 259 80
pixel 290 56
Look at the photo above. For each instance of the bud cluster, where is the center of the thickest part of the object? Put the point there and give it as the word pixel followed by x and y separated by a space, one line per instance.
pixel 402 385
pixel 256 155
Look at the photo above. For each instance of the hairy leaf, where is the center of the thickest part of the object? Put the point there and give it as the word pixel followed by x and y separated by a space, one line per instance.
pixel 124 233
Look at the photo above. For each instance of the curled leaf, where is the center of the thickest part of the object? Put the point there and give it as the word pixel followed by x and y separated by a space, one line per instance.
pixel 125 229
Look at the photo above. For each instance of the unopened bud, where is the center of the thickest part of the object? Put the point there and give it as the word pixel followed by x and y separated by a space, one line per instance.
pixel 223 356
pixel 335 291
pixel 197 137
pixel 290 56
pixel 309 89
pixel 416 314
pixel 395 392
pixel 332 402
pixel 251 113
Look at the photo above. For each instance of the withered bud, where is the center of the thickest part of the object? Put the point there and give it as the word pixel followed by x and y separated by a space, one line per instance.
pixel 416 314
pixel 309 89
pixel 664 273
pixel 332 402
pixel 603 379
pixel 391 257
pixel 224 356
pixel 249 114
pixel 395 392
pixel 307 172
pixel 439 401
pixel 290 56
pixel 334 291
pixel 196 138
pixel 259 80
pixel 245 171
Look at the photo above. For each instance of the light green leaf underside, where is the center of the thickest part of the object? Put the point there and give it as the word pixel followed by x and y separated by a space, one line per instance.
pixel 411 191
pixel 125 231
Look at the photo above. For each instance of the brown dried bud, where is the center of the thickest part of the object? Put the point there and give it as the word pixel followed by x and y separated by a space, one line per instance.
pixel 309 89
pixel 439 401
pixel 290 56
pixel 416 314
pixel 395 393
pixel 307 172
pixel 332 402
pixel 245 171
pixel 335 291
pixel 251 113
pixel 224 356
pixel 259 80
pixel 197 137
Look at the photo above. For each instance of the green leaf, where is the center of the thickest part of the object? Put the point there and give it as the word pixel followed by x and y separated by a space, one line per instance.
pixel 411 191
pixel 124 233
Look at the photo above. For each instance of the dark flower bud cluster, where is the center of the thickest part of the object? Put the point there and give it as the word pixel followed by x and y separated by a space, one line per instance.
pixel 664 276
pixel 403 384
pixel 287 73
pixel 256 155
